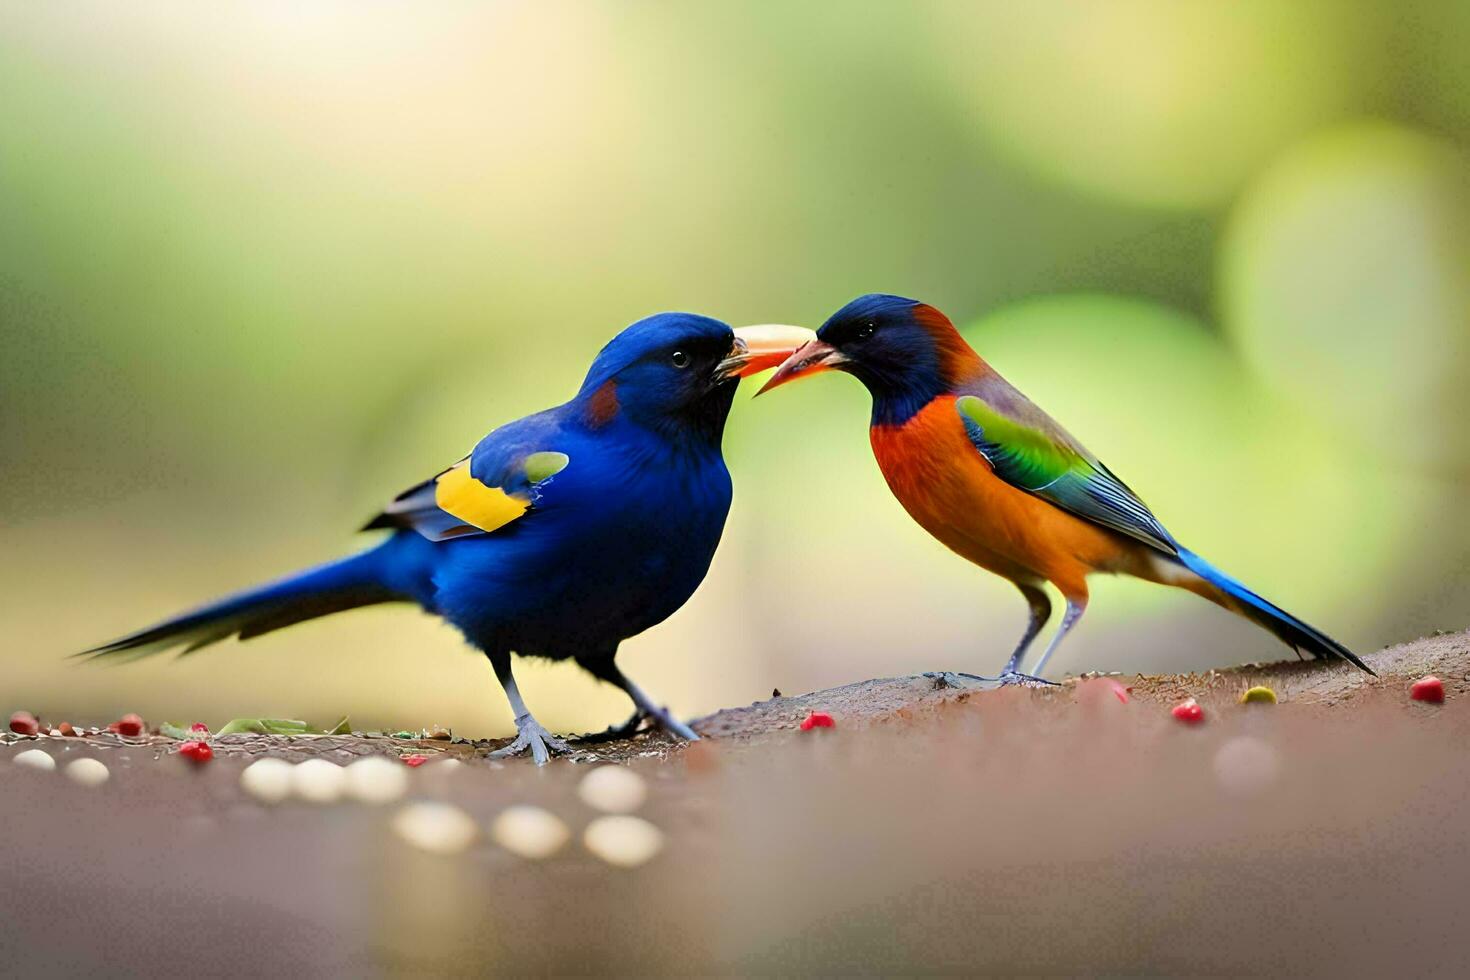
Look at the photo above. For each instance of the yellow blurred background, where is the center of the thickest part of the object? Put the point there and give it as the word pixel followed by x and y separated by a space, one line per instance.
pixel 264 265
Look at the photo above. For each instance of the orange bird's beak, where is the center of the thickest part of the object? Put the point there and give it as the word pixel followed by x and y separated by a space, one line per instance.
pixel 814 357
pixel 762 346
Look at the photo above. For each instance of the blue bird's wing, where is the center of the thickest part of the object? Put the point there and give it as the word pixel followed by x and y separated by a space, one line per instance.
pixel 496 484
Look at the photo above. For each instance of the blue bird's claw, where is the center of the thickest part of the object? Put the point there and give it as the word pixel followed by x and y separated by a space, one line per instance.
pixel 530 736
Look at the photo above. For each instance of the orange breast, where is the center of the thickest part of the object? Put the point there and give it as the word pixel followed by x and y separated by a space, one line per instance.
pixel 947 486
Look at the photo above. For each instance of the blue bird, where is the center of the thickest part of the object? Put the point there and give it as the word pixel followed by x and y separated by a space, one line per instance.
pixel 560 535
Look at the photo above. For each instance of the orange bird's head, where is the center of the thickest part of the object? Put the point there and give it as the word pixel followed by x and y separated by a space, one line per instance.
pixel 905 352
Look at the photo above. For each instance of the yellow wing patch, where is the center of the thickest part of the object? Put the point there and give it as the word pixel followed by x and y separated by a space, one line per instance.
pixel 487 508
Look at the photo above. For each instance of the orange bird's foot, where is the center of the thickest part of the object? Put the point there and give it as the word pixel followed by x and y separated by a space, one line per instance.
pixel 945 679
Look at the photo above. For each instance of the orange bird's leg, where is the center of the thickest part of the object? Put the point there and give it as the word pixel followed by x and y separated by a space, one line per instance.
pixel 1040 605
pixel 1075 608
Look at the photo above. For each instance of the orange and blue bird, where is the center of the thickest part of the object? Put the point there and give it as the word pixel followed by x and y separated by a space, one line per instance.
pixel 560 535
pixel 995 479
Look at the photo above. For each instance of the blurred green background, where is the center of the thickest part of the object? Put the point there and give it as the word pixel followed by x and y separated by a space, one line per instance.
pixel 264 265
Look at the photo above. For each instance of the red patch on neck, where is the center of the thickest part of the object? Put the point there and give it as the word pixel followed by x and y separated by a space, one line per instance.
pixel 958 361
pixel 602 407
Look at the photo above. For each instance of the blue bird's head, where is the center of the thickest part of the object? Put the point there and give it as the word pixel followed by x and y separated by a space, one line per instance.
pixel 677 373
pixel 905 352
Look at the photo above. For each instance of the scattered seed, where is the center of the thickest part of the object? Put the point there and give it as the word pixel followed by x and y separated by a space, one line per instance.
pixel 439 828
pixel 529 832
pixel 817 719
pixel 35 759
pixel 623 841
pixel 268 780
pixel 196 751
pixel 318 781
pixel 88 772
pixel 24 723
pixel 439 733
pixel 1429 688
pixel 65 728
pixel 613 789
pixel 1188 711
pixel 376 780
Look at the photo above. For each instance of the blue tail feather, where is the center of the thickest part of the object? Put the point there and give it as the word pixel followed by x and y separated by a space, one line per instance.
pixel 373 576
pixel 1290 630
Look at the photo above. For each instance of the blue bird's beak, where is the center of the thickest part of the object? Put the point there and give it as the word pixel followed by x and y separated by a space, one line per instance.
pixel 762 346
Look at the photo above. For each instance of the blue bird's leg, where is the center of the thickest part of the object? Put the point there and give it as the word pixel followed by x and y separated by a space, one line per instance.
pixel 606 669
pixel 530 735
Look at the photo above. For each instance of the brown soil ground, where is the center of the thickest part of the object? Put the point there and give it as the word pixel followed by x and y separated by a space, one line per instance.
pixel 1052 830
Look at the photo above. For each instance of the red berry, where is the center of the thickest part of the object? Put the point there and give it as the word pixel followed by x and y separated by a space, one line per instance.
pixel 200 728
pixel 1188 711
pixel 1424 689
pixel 196 751
pixel 128 725
pixel 415 760
pixel 24 723
pixel 817 719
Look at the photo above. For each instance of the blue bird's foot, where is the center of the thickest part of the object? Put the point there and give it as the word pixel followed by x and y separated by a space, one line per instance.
pixel 531 736
pixel 673 725
pixel 615 733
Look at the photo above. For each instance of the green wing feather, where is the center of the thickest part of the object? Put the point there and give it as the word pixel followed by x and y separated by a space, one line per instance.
pixel 1032 459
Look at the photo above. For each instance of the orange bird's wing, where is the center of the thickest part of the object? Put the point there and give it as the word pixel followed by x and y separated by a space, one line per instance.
pixel 1028 450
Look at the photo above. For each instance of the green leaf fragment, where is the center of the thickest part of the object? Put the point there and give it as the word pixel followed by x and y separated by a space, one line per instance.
pixel 266 726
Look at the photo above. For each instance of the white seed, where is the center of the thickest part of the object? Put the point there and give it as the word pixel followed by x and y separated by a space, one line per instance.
pixel 529 832
pixel 440 828
pixel 376 780
pixel 35 759
pixel 613 789
pixel 1247 766
pixel 623 841
pixel 318 781
pixel 88 772
pixel 268 780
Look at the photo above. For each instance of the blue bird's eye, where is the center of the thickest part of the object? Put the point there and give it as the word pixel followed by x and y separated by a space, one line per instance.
pixel 865 331
pixel 679 359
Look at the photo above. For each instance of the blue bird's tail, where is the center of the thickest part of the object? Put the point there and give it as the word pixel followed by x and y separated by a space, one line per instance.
pixel 363 579
pixel 1286 627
